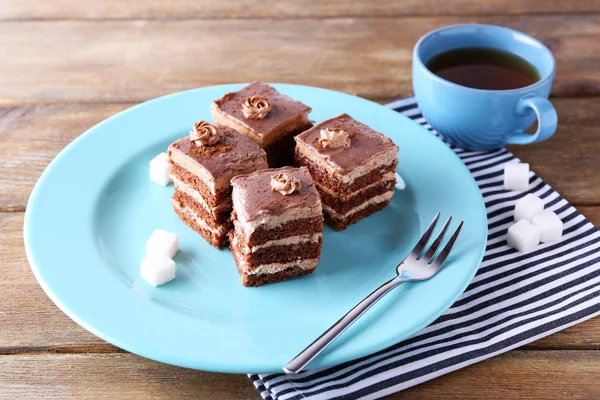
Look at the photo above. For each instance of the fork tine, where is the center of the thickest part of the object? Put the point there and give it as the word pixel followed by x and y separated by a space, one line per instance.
pixel 441 258
pixel 416 252
pixel 436 243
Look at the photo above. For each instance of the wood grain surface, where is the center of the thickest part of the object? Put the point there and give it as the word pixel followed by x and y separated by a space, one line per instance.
pixel 68 64
pixel 126 376
pixel 113 376
pixel 193 9
pixel 137 60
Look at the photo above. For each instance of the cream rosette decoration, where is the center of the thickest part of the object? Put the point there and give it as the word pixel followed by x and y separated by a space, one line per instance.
pixel 204 134
pixel 256 107
pixel 334 138
pixel 285 184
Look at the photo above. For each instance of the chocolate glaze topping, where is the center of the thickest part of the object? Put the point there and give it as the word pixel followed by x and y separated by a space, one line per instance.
pixel 259 199
pixel 283 109
pixel 366 144
pixel 230 150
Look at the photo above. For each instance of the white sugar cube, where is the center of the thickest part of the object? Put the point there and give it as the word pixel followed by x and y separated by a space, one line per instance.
pixel 400 184
pixel 527 207
pixel 162 243
pixel 157 270
pixel 522 236
pixel 550 225
pixel 516 177
pixel 159 169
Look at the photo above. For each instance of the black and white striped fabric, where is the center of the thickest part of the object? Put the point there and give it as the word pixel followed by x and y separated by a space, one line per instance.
pixel 514 299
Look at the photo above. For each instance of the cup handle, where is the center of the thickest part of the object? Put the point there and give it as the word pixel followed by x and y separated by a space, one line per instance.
pixel 546 117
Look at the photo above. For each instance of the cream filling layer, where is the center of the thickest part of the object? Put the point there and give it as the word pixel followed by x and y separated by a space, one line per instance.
pixel 214 185
pixel 221 230
pixel 262 139
pixel 180 159
pixel 288 241
pixel 387 177
pixel 268 221
pixel 378 161
pixel 194 194
pixel 373 200
pixel 265 269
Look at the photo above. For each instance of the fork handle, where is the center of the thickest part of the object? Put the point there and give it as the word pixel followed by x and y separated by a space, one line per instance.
pixel 316 347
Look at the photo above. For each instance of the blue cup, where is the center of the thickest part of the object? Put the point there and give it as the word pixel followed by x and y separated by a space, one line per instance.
pixel 478 119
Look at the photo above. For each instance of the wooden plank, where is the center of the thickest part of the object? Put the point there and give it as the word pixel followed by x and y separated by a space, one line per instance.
pixel 206 9
pixel 31 323
pixel 138 60
pixel 31 136
pixel 116 376
pixel 541 374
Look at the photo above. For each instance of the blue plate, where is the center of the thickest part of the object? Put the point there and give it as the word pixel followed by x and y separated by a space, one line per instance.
pixel 93 209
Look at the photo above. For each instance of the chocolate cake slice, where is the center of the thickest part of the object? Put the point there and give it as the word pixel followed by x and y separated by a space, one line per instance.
pixel 352 166
pixel 278 225
pixel 266 116
pixel 202 167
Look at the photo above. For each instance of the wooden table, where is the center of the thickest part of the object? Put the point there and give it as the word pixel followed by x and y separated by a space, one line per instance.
pixel 66 65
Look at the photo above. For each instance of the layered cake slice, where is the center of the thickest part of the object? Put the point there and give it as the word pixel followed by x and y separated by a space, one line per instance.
pixel 278 225
pixel 266 116
pixel 353 167
pixel 202 166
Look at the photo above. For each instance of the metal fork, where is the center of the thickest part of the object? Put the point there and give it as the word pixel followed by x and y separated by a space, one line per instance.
pixel 419 265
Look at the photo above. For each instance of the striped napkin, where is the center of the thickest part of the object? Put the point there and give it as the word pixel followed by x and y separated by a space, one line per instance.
pixel 514 299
